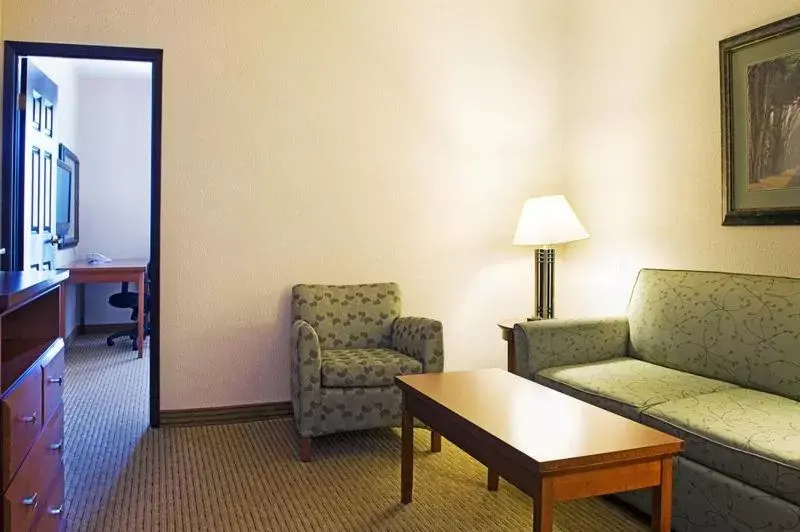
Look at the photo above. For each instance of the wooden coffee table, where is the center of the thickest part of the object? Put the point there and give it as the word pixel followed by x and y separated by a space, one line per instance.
pixel 551 446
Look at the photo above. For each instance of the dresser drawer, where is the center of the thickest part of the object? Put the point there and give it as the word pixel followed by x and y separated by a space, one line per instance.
pixel 50 445
pixel 28 490
pixel 52 382
pixel 21 421
pixel 52 514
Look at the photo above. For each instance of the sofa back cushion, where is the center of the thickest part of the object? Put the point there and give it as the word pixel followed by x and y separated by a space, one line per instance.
pixel 348 316
pixel 743 329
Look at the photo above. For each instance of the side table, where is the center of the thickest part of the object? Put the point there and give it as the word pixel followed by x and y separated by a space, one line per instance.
pixel 507 332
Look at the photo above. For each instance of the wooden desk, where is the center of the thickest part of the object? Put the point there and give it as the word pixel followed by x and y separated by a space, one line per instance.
pixel 551 446
pixel 116 271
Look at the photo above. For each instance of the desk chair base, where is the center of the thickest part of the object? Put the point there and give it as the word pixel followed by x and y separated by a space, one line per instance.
pixel 132 334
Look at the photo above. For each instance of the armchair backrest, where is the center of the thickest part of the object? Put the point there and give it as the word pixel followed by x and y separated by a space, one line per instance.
pixel 348 316
pixel 742 329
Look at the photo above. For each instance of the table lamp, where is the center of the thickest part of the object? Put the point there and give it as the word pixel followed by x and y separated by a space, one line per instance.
pixel 544 222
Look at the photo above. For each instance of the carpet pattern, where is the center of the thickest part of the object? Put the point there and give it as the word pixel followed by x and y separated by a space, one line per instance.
pixel 121 475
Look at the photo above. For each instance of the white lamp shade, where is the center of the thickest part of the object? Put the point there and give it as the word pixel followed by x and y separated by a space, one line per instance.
pixel 548 220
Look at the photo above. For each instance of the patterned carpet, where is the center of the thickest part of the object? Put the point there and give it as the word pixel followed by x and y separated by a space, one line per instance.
pixel 120 475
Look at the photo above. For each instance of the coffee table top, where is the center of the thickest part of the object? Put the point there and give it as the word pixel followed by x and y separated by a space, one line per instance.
pixel 553 429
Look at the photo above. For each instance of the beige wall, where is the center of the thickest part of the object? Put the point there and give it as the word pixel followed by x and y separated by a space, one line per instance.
pixel 358 141
pixel 642 139
pixel 333 142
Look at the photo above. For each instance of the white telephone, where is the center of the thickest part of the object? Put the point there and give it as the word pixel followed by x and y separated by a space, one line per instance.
pixel 96 258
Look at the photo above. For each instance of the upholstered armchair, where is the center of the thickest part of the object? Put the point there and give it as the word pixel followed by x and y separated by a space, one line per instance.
pixel 348 344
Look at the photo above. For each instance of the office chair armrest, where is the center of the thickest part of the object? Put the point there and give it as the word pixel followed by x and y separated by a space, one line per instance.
pixel 306 363
pixel 422 339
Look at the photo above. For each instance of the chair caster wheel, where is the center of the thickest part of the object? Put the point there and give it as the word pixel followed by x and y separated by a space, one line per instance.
pixel 109 342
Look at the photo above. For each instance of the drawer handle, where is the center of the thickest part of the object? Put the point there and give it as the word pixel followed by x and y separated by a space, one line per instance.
pixel 58 446
pixel 56 380
pixel 56 510
pixel 33 500
pixel 29 419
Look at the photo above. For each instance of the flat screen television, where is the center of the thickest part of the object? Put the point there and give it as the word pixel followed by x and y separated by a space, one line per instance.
pixel 63 198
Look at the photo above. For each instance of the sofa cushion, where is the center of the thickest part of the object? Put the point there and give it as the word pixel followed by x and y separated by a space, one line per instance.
pixel 743 329
pixel 612 405
pixel 631 384
pixel 359 368
pixel 749 435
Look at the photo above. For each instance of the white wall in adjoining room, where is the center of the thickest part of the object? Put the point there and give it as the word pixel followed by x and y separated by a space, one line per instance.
pixel 114 132
pixel 643 147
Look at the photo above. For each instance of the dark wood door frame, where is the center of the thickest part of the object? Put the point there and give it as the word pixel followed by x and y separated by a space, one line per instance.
pixel 12 170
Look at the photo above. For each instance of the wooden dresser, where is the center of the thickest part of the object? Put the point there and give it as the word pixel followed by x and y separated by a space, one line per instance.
pixel 32 413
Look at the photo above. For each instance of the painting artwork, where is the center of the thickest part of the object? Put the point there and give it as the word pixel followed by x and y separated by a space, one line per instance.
pixel 773 102
pixel 761 125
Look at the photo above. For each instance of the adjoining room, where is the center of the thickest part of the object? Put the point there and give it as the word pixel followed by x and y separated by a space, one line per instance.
pixel 86 210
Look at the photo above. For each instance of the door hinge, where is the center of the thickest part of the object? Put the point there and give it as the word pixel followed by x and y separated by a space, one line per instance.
pixel 22 101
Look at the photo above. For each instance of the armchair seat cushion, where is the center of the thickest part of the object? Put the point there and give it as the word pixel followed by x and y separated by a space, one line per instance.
pixel 746 434
pixel 363 368
pixel 628 385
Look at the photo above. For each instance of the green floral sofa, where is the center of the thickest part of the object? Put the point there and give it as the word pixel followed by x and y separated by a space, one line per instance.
pixel 713 358
pixel 348 344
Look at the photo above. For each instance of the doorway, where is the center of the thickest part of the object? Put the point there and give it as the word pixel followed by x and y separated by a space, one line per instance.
pixel 31 211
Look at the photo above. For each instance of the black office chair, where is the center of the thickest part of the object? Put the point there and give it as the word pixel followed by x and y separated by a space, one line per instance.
pixel 127 299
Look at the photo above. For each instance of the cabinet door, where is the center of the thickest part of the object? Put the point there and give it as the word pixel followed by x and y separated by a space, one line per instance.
pixel 22 421
pixel 29 494
pixel 52 383
pixel 52 514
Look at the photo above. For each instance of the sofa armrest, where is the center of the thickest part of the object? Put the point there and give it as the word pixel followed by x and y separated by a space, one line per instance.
pixel 561 342
pixel 306 368
pixel 421 339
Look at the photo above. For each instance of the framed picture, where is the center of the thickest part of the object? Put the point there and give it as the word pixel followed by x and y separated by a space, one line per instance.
pixel 760 75
pixel 67 187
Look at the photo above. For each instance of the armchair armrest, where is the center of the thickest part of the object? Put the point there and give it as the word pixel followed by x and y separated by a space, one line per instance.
pixel 306 367
pixel 421 339
pixel 561 342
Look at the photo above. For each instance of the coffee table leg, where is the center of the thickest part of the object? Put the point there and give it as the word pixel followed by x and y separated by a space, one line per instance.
pixel 436 442
pixel 493 480
pixel 662 499
pixel 543 506
pixel 407 455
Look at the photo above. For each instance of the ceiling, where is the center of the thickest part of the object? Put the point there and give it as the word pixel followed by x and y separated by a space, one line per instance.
pixel 98 68
pixel 103 68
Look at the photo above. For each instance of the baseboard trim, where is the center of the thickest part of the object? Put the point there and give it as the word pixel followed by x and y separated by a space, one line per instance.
pixel 105 328
pixel 225 414
pixel 71 337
